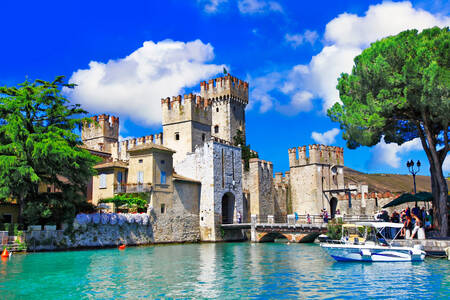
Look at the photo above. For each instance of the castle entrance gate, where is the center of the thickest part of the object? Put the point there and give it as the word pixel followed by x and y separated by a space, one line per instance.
pixel 333 206
pixel 227 208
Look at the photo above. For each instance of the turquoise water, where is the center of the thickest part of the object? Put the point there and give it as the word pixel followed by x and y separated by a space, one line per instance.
pixel 226 271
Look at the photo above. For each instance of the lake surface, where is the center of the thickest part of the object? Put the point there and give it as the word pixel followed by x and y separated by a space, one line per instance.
pixel 226 271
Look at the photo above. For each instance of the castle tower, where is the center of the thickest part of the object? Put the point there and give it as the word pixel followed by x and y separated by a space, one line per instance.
pixel 186 124
pixel 229 97
pixel 102 133
pixel 311 178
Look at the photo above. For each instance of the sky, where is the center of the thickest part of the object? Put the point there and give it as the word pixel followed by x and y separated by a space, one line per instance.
pixel 127 55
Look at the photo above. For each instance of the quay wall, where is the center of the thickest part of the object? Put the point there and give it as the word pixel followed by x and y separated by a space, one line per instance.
pixel 142 229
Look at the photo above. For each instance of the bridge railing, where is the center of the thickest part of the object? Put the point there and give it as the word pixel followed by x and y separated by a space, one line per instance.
pixel 307 219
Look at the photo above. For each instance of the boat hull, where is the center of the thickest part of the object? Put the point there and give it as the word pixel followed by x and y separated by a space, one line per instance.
pixel 342 252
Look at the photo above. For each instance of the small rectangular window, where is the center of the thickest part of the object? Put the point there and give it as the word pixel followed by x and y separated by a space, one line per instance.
pixel 103 181
pixel 141 161
pixel 7 218
pixel 140 177
pixel 163 177
pixel 163 208
pixel 49 189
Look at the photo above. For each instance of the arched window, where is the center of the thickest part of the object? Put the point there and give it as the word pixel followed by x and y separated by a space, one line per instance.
pixel 177 136
pixel 217 109
pixel 216 129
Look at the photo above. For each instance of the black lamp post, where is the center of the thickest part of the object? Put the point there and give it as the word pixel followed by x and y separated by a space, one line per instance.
pixel 413 171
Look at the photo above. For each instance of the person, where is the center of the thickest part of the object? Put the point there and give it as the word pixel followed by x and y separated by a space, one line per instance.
pixel 239 217
pixel 417 225
pixel 296 217
pixel 408 227
pixel 428 220
pixel 308 219
pixel 325 215
pixel 338 212
pixel 416 211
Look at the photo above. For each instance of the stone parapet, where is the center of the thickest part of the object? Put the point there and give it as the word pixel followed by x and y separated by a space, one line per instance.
pixel 318 154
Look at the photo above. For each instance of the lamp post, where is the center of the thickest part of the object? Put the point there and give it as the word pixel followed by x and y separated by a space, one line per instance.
pixel 413 171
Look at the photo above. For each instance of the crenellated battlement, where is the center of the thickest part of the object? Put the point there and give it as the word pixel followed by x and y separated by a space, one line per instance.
pixel 101 133
pixel 226 87
pixel 262 164
pixel 188 108
pixel 318 154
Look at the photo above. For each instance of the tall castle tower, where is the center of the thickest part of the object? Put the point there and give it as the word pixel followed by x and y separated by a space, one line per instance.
pixel 186 124
pixel 312 177
pixel 229 97
pixel 102 135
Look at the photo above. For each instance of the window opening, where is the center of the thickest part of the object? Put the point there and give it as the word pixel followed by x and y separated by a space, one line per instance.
pixel 177 136
pixel 163 208
pixel 103 181
pixel 163 177
pixel 216 129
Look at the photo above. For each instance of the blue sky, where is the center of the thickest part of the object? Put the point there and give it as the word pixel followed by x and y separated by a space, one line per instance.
pixel 125 56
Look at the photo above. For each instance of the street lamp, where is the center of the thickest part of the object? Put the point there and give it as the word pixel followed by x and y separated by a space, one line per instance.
pixel 413 171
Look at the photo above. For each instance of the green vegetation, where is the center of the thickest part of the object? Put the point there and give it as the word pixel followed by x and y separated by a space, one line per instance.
pixel 399 90
pixel 39 148
pixel 134 202
pixel 334 229
pixel 247 153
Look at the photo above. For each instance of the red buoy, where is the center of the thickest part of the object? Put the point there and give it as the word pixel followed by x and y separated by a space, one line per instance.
pixel 5 253
pixel 122 247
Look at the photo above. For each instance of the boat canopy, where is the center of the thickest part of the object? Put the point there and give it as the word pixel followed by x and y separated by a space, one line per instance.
pixel 352 225
pixel 379 225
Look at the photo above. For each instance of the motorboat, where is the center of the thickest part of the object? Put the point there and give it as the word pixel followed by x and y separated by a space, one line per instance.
pixel 366 242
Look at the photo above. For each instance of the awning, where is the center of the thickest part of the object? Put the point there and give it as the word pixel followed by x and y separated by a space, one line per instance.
pixel 407 198
pixel 379 225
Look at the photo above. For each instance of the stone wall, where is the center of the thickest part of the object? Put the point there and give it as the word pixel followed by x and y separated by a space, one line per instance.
pixel 89 233
pixel 219 169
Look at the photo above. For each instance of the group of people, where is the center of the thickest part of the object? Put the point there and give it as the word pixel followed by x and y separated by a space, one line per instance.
pixel 412 219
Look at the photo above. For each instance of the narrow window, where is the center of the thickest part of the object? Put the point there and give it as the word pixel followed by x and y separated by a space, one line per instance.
pixel 163 208
pixel 119 177
pixel 141 161
pixel 223 169
pixel 232 161
pixel 163 177
pixel 103 181
pixel 216 129
pixel 217 109
pixel 49 189
pixel 163 162
pixel 140 177
pixel 203 137
pixel 177 136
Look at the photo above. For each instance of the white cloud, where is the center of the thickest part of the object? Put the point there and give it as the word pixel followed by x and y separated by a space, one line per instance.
pixel 300 101
pixel 446 165
pixel 389 154
pixel 298 39
pixel 132 87
pixel 345 37
pixel 258 6
pixel 326 138
pixel 212 6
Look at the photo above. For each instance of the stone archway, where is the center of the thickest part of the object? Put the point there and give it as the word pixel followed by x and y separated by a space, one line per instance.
pixel 228 208
pixel 333 206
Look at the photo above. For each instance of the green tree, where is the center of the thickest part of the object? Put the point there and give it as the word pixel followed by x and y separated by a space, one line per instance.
pixel 134 202
pixel 399 90
pixel 247 153
pixel 39 147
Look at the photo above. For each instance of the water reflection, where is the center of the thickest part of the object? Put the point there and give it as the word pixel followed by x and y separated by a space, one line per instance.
pixel 225 271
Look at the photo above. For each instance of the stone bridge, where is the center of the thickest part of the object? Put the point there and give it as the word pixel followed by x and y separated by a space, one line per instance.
pixel 268 232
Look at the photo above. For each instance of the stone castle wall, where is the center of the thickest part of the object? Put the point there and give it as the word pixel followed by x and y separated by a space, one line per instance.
pixel 101 133
pixel 219 169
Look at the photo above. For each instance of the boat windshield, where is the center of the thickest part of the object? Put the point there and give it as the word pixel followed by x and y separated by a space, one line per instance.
pixel 353 233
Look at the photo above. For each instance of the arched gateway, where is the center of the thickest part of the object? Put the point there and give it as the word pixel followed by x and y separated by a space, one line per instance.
pixel 228 208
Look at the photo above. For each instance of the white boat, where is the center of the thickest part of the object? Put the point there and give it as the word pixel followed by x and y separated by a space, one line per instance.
pixel 359 243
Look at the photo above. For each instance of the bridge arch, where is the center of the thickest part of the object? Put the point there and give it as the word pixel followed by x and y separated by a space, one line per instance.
pixel 228 201
pixel 271 236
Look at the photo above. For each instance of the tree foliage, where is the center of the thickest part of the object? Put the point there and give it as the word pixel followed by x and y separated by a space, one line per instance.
pixel 39 148
pixel 399 90
pixel 134 202
pixel 247 153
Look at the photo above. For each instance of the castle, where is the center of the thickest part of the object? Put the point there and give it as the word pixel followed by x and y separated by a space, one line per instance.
pixel 193 172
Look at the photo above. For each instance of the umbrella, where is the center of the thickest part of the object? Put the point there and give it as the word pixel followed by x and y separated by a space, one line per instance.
pixel 405 198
